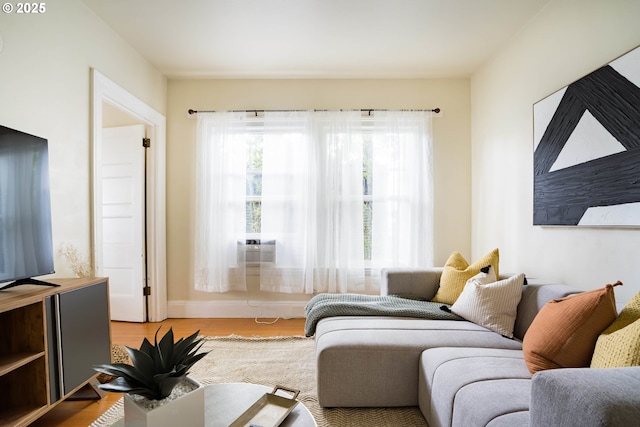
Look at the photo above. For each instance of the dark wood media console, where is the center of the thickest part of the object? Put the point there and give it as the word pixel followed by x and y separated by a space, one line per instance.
pixel 50 339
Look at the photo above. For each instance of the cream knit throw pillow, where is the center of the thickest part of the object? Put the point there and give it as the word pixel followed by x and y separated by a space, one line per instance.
pixel 492 305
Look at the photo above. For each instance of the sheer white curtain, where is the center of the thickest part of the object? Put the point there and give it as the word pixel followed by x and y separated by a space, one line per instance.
pixel 340 258
pixel 289 186
pixel 220 202
pixel 342 196
pixel 402 188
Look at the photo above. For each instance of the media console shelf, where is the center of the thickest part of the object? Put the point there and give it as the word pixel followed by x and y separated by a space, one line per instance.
pixel 50 339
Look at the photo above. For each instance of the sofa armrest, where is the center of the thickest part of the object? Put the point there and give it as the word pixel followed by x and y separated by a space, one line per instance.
pixel 585 397
pixel 422 282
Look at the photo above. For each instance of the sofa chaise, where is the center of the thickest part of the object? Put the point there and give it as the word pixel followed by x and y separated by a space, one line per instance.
pixel 460 373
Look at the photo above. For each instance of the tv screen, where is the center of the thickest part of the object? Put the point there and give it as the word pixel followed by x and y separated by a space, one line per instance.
pixel 26 246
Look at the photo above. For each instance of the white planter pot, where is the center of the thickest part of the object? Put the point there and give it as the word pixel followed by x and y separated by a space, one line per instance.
pixel 184 411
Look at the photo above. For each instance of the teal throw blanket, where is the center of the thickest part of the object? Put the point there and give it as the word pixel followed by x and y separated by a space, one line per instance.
pixel 330 305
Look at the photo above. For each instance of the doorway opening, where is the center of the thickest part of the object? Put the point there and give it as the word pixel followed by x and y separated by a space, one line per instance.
pixel 129 237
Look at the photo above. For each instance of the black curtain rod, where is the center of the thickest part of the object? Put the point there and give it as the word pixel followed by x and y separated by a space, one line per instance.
pixel 364 110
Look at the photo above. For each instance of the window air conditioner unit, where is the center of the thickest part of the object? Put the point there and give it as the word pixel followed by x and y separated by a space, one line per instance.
pixel 257 252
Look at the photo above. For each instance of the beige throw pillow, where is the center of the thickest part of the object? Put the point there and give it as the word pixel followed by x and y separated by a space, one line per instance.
pixel 492 305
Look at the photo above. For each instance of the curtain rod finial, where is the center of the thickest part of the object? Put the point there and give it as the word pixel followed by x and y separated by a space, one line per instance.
pixel 436 110
pixel 190 111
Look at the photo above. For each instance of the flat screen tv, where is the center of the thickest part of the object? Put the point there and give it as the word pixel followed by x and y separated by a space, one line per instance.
pixel 26 244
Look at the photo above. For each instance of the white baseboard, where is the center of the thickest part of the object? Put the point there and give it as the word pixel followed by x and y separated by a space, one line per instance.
pixel 235 309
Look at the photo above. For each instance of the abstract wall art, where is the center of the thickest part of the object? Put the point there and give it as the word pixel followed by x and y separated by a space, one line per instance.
pixel 587 149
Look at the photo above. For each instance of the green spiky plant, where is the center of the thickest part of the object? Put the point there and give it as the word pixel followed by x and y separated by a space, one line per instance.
pixel 156 369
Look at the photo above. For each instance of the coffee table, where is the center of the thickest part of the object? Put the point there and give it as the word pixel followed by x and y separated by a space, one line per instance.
pixel 224 403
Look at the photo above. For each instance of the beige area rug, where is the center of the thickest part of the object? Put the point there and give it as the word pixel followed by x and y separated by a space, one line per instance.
pixel 286 361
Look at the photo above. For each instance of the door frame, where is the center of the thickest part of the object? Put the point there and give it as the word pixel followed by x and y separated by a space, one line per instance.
pixel 107 91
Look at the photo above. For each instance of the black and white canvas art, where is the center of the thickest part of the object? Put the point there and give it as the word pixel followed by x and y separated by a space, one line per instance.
pixel 587 149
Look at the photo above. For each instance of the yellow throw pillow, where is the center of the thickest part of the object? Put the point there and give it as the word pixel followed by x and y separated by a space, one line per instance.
pixel 564 333
pixel 619 344
pixel 456 273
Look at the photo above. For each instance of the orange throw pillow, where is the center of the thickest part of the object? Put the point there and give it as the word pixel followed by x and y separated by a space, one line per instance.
pixel 564 332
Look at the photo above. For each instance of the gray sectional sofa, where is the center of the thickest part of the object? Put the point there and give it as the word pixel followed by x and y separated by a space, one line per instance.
pixel 461 374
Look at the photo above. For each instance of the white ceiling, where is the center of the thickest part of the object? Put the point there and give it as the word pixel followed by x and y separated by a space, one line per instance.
pixel 316 38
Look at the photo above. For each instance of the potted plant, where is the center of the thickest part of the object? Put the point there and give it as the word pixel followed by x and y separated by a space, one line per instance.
pixel 157 390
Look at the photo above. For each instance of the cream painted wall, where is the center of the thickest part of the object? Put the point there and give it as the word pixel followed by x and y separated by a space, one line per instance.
pixel 45 87
pixel 567 40
pixel 451 154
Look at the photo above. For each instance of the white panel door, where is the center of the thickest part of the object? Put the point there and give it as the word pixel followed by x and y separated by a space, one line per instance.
pixel 123 225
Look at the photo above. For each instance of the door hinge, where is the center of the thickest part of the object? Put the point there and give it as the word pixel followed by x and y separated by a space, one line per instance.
pixel 146 142
pixel 146 291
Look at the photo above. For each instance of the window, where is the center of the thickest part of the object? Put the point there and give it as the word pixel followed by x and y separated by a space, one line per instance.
pixel 254 147
pixel 254 184
pixel 367 193
pixel 339 195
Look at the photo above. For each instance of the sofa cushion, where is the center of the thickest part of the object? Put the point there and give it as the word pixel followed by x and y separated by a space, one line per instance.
pixel 503 401
pixel 372 361
pixel 457 271
pixel 451 379
pixel 492 305
pixel 619 344
pixel 564 333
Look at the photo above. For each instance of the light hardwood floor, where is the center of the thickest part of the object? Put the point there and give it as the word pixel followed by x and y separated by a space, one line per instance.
pixel 81 413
